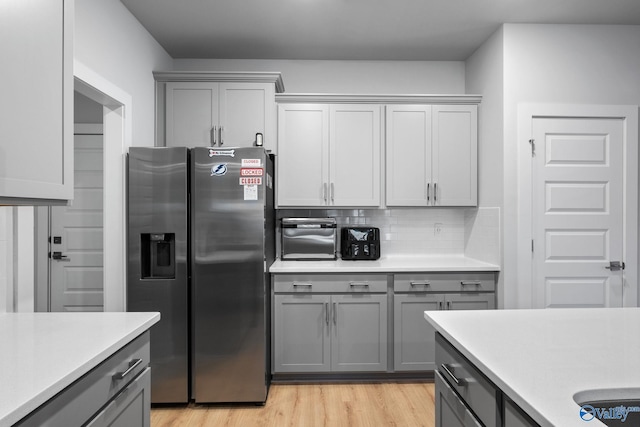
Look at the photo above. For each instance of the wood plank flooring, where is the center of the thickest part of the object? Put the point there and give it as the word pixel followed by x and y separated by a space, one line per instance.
pixel 314 405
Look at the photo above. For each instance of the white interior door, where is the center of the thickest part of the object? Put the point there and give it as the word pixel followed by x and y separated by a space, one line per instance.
pixel 578 211
pixel 77 234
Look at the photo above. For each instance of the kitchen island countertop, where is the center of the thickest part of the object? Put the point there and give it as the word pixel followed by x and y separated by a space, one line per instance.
pixel 43 353
pixel 542 358
pixel 386 264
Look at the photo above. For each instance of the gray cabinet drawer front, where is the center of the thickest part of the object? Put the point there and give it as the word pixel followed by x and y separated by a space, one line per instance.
pixel 76 404
pixel 450 410
pixel 479 394
pixel 330 283
pixel 444 282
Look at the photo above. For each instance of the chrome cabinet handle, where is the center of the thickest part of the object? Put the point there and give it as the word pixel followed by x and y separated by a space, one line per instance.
pixel 221 140
pixel 324 192
pixel 435 192
pixel 132 365
pixel 333 193
pixel 428 191
pixel 471 283
pixel 358 284
pixel 423 283
pixel 335 314
pixel 306 285
pixel 326 313
pixel 439 305
pixel 456 380
pixel 448 305
pixel 214 131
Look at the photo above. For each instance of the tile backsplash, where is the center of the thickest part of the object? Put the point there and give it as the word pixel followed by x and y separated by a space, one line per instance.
pixel 473 232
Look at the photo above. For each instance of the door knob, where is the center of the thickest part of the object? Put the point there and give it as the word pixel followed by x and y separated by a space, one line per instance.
pixel 615 266
pixel 58 256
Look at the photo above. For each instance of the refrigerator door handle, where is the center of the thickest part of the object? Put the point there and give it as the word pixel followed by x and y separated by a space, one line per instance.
pixel 221 140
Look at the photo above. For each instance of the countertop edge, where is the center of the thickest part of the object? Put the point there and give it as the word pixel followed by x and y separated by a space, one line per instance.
pixel 21 411
pixel 385 265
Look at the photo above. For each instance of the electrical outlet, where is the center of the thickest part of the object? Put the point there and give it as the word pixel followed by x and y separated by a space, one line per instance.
pixel 437 228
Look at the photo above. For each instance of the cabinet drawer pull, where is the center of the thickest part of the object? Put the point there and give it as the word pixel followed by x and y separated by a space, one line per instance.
pixel 358 284
pixel 302 285
pixel 423 283
pixel 471 283
pixel 132 365
pixel 458 382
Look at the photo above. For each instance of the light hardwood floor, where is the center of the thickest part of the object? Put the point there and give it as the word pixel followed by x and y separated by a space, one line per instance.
pixel 310 405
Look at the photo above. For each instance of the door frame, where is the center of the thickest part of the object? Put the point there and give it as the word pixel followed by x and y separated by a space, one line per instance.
pixel 118 137
pixel 628 114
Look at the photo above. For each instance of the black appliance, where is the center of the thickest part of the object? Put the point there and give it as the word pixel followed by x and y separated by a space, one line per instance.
pixel 360 243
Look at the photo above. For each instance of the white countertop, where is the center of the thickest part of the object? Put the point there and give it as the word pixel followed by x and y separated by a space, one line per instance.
pixel 386 264
pixel 42 353
pixel 542 358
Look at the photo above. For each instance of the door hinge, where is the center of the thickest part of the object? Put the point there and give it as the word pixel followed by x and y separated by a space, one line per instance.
pixel 532 142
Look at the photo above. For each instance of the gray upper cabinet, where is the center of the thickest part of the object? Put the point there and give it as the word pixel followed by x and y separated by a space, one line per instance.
pixel 216 109
pixel 36 106
pixel 329 155
pixel 432 155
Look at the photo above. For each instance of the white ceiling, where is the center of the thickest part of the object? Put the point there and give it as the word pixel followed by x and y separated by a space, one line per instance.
pixel 354 29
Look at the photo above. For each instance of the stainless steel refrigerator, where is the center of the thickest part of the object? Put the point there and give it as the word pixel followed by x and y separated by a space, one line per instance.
pixel 201 235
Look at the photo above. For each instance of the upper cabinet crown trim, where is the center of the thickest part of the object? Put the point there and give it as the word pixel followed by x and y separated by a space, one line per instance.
pixel 377 99
pixel 215 76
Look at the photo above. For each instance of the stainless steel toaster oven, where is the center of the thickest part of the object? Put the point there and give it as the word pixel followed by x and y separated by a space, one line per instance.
pixel 309 238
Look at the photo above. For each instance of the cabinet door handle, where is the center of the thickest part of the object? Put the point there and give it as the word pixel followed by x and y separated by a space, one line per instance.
pixel 448 305
pixel 435 192
pixel 418 283
pixel 221 140
pixel 324 192
pixel 333 193
pixel 439 305
pixel 213 132
pixel 326 313
pixel 132 365
pixel 456 380
pixel 471 283
pixel 335 314
pixel 428 192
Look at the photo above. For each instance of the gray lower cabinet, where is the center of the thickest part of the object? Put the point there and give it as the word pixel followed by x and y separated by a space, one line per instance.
pixel 117 392
pixel 316 329
pixel 514 416
pixel 465 397
pixel 301 338
pixel 414 338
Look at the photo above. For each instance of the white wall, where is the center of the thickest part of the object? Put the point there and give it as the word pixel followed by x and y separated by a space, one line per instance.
pixel 565 64
pixel 354 77
pixel 112 43
pixel 485 75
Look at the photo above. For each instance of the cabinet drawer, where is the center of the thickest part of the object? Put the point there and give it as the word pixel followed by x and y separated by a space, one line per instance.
pixel 444 282
pixel 330 283
pixel 477 392
pixel 76 404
